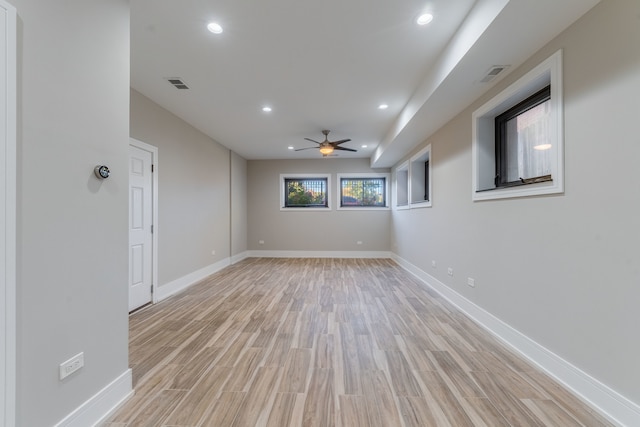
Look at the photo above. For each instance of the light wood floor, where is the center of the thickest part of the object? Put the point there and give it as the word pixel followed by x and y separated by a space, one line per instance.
pixel 328 342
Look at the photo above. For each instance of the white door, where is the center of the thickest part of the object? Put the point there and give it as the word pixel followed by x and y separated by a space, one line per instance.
pixel 140 227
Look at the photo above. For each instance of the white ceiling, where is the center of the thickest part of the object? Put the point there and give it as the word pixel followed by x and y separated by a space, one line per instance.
pixel 329 64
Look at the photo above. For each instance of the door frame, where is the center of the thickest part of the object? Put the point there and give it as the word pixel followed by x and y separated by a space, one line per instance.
pixel 154 203
pixel 8 204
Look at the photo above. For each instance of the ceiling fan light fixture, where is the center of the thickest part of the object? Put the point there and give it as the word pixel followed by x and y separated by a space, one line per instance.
pixel 326 149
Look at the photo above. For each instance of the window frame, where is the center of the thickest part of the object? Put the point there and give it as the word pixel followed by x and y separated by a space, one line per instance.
pixel 352 176
pixel 309 176
pixel 502 141
pixel 420 177
pixel 483 186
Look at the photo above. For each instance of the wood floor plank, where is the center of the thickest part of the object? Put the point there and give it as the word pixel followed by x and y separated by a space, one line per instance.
pixel 200 399
pixel 415 412
pixel 482 412
pixel 550 413
pixel 257 403
pixel 353 411
pixel 440 393
pixel 295 372
pixel 241 374
pixel 225 409
pixel 281 414
pixel 402 377
pixel 381 404
pixel 319 407
pixel 328 342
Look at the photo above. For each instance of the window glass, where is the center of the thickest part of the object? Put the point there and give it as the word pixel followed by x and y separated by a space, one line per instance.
pixel 370 192
pixel 528 153
pixel 305 192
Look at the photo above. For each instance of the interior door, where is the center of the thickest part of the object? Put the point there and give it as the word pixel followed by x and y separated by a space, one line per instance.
pixel 140 227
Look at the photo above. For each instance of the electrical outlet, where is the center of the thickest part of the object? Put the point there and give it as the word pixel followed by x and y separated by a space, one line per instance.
pixel 433 263
pixel 450 271
pixel 261 242
pixel 359 242
pixel 471 282
pixel 213 252
pixel 70 366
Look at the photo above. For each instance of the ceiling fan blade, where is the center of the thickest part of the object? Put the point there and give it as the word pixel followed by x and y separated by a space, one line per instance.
pixel 308 148
pixel 345 149
pixel 342 141
pixel 309 139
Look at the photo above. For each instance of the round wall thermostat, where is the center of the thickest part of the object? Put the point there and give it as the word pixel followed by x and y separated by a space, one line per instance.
pixel 101 171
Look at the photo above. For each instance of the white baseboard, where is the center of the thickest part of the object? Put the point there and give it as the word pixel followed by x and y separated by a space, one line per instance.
pixel 175 286
pixel 239 257
pixel 611 404
pixel 319 254
pixel 102 405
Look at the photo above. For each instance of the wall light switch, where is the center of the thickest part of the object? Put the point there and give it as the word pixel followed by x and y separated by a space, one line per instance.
pixel 471 282
pixel 450 271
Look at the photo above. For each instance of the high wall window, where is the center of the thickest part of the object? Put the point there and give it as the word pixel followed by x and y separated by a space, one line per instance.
pixel 360 191
pixel 304 191
pixel 518 137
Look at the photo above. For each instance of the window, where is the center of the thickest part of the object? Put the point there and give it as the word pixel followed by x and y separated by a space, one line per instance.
pixel 420 172
pixel 518 145
pixel 523 143
pixel 402 186
pixel 304 191
pixel 361 191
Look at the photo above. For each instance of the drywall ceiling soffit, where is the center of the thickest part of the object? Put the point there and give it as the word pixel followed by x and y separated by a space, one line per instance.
pixel 495 33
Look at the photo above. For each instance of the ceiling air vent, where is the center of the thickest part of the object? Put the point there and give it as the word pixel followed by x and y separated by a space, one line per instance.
pixel 493 73
pixel 177 83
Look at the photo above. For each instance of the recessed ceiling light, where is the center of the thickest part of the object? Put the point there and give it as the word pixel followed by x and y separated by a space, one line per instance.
pixel 266 109
pixel 214 27
pixel 383 106
pixel 364 145
pixel 424 19
pixel 290 147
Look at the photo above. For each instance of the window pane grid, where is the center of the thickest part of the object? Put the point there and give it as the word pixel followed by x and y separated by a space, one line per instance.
pixel 305 192
pixel 358 192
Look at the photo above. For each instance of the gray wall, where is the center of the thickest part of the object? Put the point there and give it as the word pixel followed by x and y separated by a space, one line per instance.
pixel 310 230
pixel 194 190
pixel 564 270
pixel 238 205
pixel 73 103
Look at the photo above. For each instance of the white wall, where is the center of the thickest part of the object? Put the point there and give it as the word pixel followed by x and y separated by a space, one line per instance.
pixel 73 103
pixel 194 191
pixel 335 230
pixel 563 270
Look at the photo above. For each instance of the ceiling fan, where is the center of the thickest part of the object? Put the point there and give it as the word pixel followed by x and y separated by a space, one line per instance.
pixel 326 147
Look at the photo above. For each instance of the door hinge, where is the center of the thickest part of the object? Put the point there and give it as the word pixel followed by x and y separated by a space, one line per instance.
pixel 151 167
pixel 151 228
